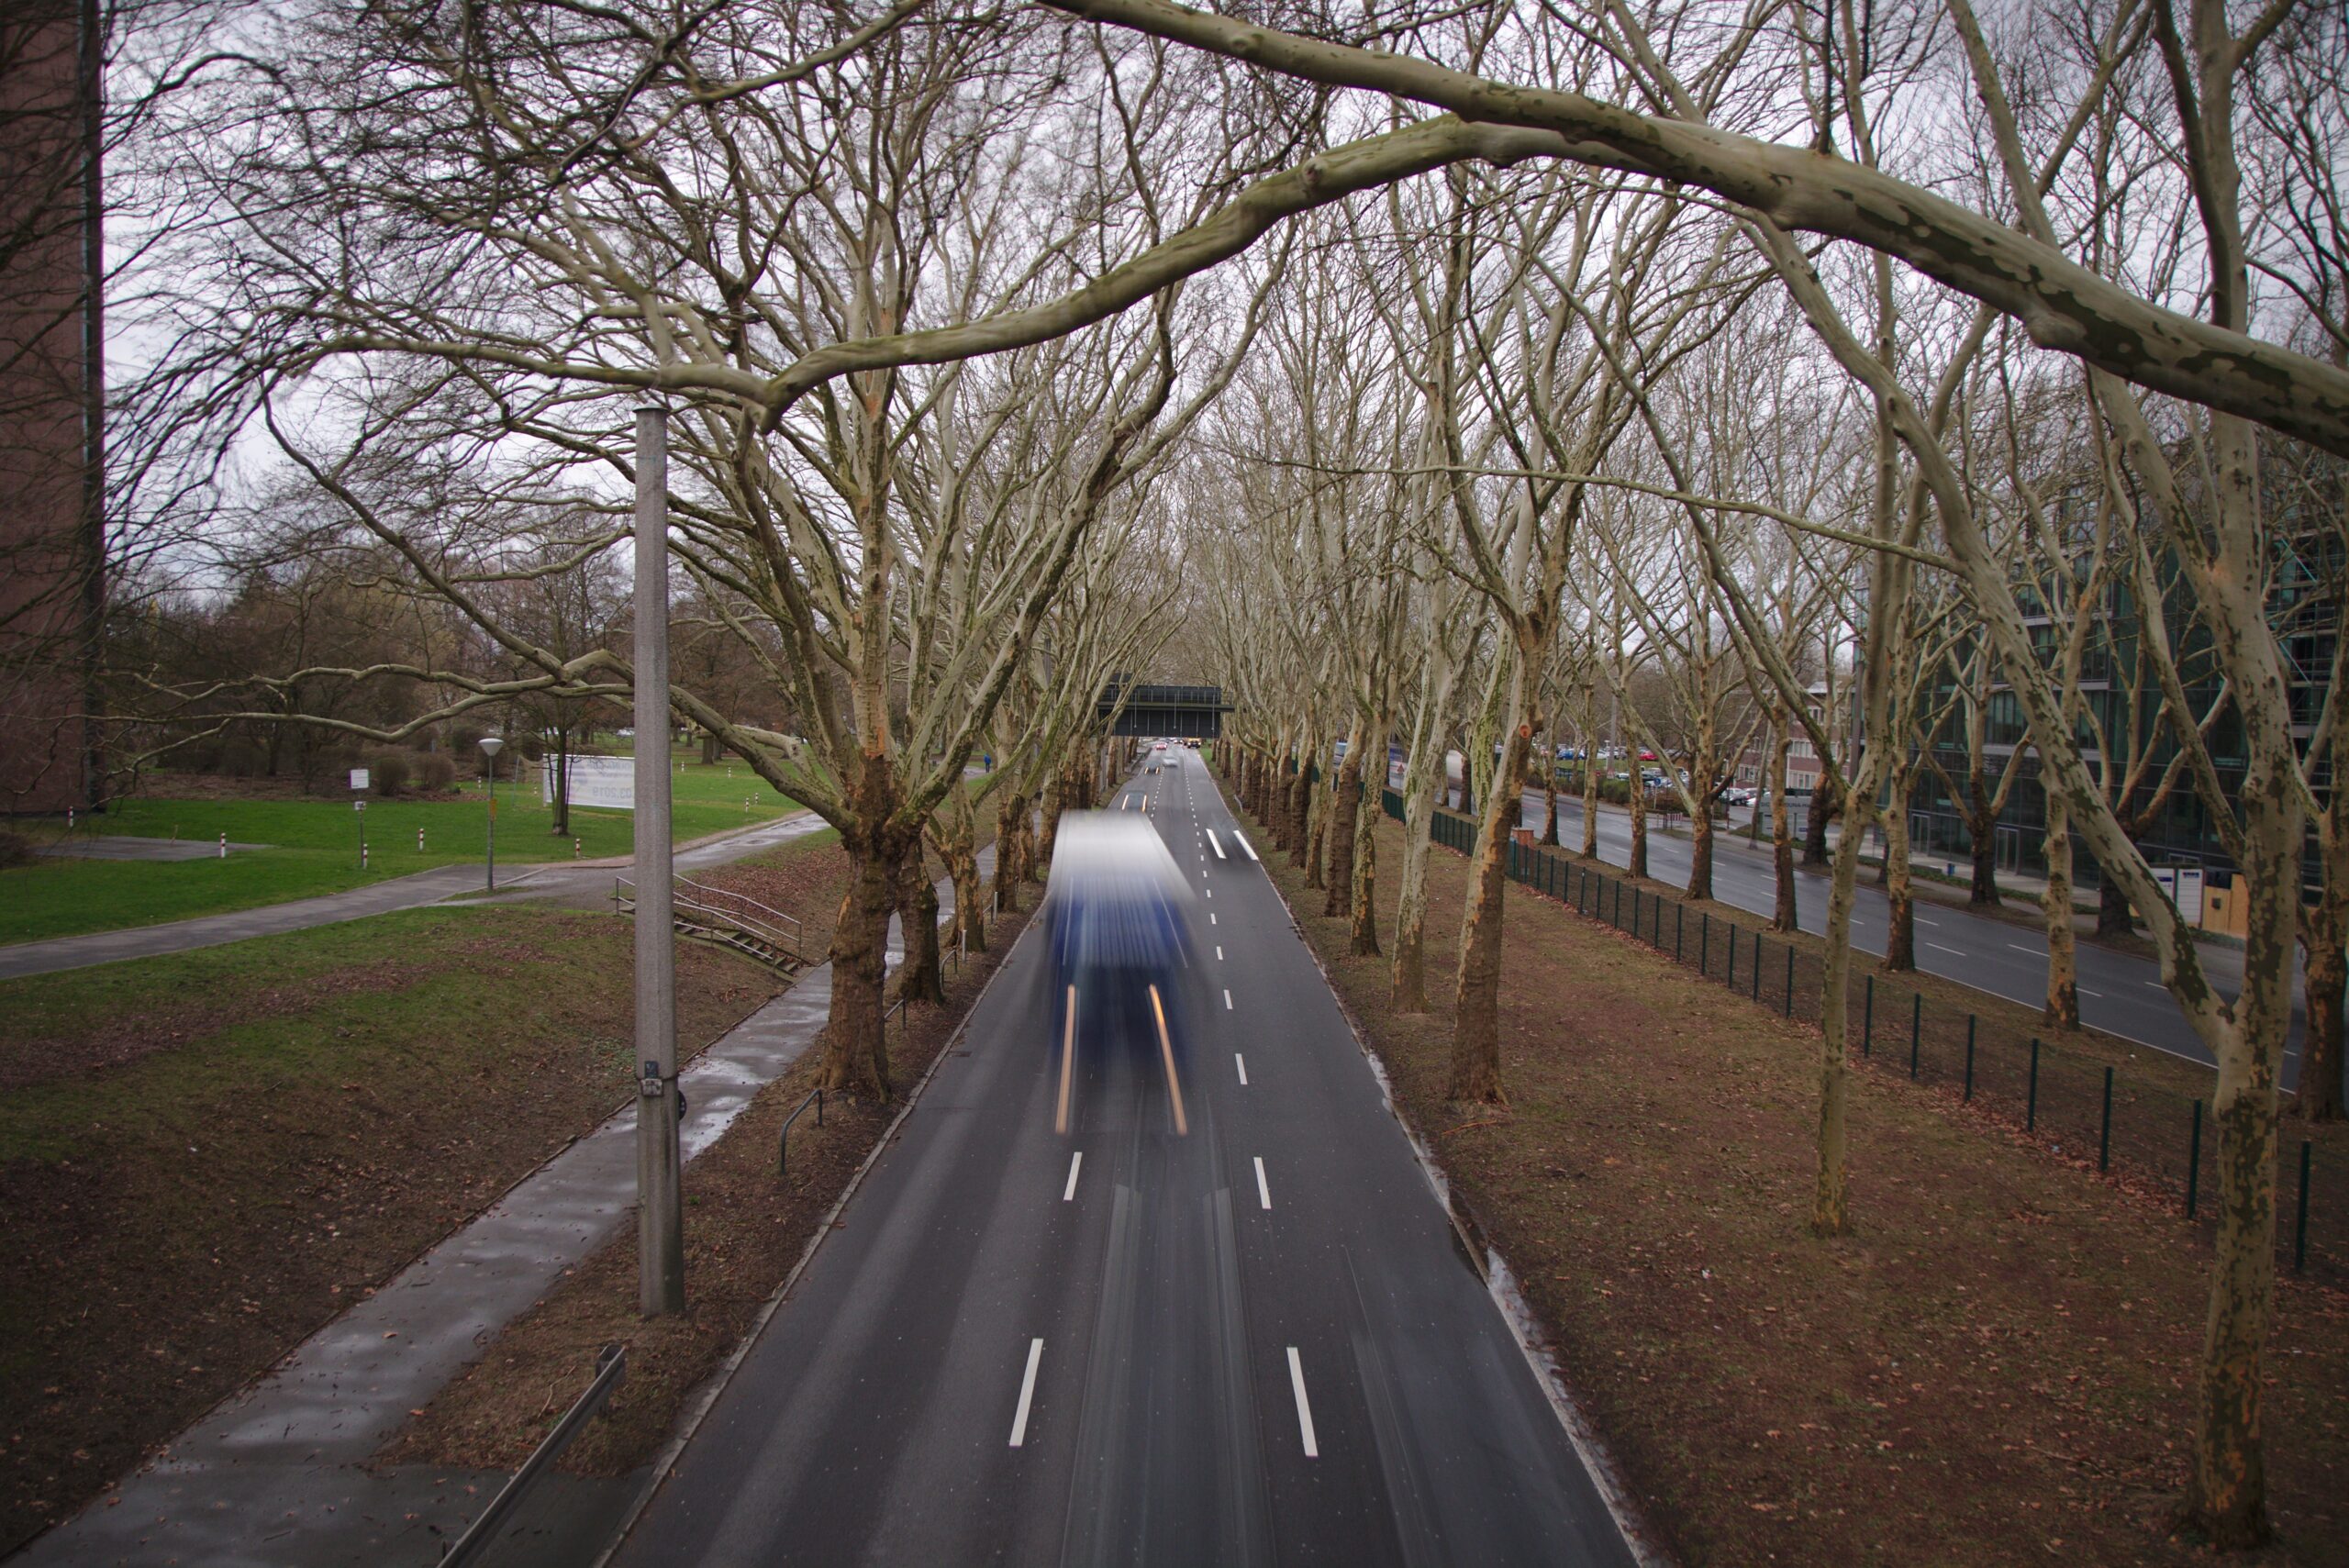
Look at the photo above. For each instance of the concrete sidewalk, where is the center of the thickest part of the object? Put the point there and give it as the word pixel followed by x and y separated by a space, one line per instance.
pixel 279 1474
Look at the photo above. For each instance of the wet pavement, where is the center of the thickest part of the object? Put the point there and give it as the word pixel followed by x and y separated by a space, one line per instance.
pixel 279 1473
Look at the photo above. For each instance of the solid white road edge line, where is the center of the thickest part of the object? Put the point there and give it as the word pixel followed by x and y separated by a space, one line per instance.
pixel 1074 1161
pixel 1028 1394
pixel 1263 1193
pixel 1938 948
pixel 1242 1063
pixel 1304 1410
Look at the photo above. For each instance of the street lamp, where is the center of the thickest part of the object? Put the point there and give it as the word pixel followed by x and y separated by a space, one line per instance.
pixel 489 746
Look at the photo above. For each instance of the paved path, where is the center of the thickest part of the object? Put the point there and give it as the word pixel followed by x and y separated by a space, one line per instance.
pixel 278 1475
pixel 127 847
pixel 210 930
pixel 1257 1341
pixel 379 898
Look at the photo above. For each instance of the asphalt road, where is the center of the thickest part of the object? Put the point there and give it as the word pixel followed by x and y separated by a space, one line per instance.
pixel 2118 993
pixel 1255 1342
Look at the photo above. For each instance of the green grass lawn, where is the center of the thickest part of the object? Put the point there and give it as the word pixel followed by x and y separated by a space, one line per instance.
pixel 314 848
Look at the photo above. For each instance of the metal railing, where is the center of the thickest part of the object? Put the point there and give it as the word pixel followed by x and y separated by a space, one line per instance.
pixel 782 1139
pixel 699 904
pixel 2060 1096
pixel 611 1365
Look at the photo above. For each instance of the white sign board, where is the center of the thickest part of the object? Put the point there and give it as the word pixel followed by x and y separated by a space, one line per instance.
pixel 359 778
pixel 608 781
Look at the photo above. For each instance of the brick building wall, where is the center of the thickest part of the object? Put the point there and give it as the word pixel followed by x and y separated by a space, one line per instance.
pixel 52 405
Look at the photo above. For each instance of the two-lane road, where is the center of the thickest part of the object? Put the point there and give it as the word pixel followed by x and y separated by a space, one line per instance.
pixel 1254 1341
pixel 2118 993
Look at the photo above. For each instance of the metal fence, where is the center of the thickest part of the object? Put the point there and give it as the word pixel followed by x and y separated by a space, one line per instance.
pixel 2078 1106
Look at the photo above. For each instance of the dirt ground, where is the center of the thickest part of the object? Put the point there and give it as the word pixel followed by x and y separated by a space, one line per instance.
pixel 258 1133
pixel 1996 1369
pixel 745 1229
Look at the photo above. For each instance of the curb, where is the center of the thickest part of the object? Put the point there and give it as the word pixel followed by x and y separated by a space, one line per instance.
pixel 1500 1282
pixel 715 1383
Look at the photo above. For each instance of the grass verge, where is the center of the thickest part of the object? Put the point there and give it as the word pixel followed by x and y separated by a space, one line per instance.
pixel 1998 1368
pixel 313 849
pixel 254 1134
pixel 745 1229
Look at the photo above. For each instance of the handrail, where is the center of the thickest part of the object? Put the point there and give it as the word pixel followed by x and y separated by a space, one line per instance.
pixel 611 1365
pixel 782 1139
pixel 768 925
pixel 764 912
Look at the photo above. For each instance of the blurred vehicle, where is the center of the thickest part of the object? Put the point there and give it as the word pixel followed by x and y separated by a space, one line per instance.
pixel 1118 920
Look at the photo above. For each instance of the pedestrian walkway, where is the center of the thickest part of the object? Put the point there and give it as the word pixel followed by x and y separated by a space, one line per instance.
pixel 129 847
pixel 279 1475
pixel 211 930
pixel 380 898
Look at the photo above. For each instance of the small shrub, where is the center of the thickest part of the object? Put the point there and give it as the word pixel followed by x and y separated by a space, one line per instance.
pixel 388 771
pixel 435 772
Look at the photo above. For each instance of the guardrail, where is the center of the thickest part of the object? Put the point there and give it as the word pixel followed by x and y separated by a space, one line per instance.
pixel 611 1365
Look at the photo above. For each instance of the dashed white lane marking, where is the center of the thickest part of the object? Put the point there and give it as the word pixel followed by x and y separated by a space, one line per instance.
pixel 1218 955
pixel 1242 1063
pixel 2085 992
pixel 1263 1193
pixel 1226 999
pixel 2035 952
pixel 1219 845
pixel 1922 921
pixel 1938 948
pixel 1074 1161
pixel 1297 1384
pixel 1027 1394
pixel 2156 985
pixel 1211 891
pixel 1210 919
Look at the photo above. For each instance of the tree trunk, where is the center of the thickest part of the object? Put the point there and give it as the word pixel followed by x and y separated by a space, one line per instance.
pixel 1784 910
pixel 1368 808
pixel 856 1057
pixel 1831 1203
pixel 1345 812
pixel 1983 851
pixel 1638 797
pixel 2113 916
pixel 1476 1023
pixel 1055 796
pixel 709 753
pixel 1814 828
pixel 1700 852
pixel 969 927
pixel 1550 789
pixel 2227 1494
pixel 1301 816
pixel 1589 806
pixel 2325 971
pixel 2062 1009
pixel 561 826
pixel 1901 888
pixel 1008 814
pixel 919 977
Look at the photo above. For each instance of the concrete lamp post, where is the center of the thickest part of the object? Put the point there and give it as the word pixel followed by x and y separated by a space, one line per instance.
pixel 489 746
